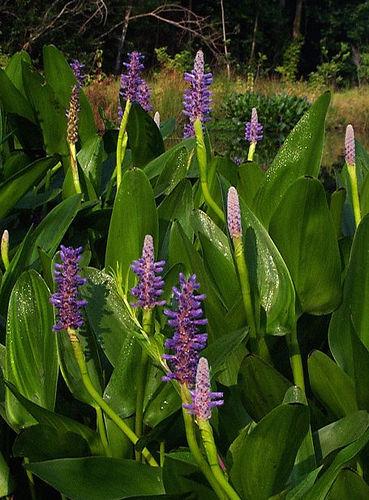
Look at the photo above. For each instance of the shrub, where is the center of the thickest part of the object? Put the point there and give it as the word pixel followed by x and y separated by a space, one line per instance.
pixel 278 113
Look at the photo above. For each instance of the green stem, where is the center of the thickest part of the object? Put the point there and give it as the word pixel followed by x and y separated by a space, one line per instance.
pixel 212 454
pixel 31 481
pixel 80 358
pixel 162 453
pixel 141 379
pixel 122 142
pixel 295 359
pixel 102 430
pixel 354 193
pixel 250 155
pixel 195 450
pixel 74 167
pixel 202 160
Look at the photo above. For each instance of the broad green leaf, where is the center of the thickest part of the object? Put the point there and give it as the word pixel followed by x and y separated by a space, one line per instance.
pixel 42 442
pixel 361 371
pixel 6 482
pixel 99 478
pixel 217 257
pixel 223 348
pixel 300 155
pixel 13 100
pixel 168 127
pixel 162 403
pixel 50 113
pixel 134 216
pixel 173 172
pixel 336 209
pixel 250 178
pixel 31 356
pixel 262 387
pixel 354 310
pixel 302 228
pixel 51 230
pixel 340 433
pixel 347 486
pixel 343 457
pixel 331 385
pixel 265 458
pixel 16 186
pixel 144 137
pixel 275 289
pixel 178 206
pixel 156 166
pixel 107 314
pixel 61 79
pixel 14 69
pixel 90 158
pixel 59 422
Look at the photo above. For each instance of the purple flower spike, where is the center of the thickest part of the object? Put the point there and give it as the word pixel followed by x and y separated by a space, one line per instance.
pixel 253 129
pixel 186 341
pixel 350 145
pixel 149 286
pixel 197 98
pixel 234 213
pixel 203 400
pixel 78 70
pixel 66 298
pixel 132 85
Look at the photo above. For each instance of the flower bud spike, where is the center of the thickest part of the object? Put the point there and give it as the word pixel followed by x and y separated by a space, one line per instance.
pixel 234 214
pixel 350 145
pixel 5 249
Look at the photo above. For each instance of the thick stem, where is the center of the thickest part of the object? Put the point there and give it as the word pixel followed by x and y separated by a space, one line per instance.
pixel 295 359
pixel 122 142
pixel 354 193
pixel 201 158
pixel 250 155
pixel 102 430
pixel 74 167
pixel 141 379
pixel 195 450
pixel 162 453
pixel 212 454
pixel 80 358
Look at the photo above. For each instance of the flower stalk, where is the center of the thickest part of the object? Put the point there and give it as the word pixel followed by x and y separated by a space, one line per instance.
pixel 72 135
pixel 351 169
pixel 253 133
pixel 122 143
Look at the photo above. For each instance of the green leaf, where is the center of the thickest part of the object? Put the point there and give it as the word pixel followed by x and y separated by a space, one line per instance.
pixel 61 79
pixel 178 206
pixel 156 166
pixel 58 422
pixel 265 459
pixel 273 281
pixel 90 158
pixel 31 356
pixel 325 481
pixel 134 216
pixel 16 186
pixel 217 257
pixel 302 228
pixel 14 69
pixel 41 442
pixel 300 155
pixel 331 385
pixel 250 178
pixel 13 100
pixel 50 113
pixel 262 387
pixel 347 486
pixel 354 310
pixel 340 433
pixel 144 137
pixel 107 314
pixel 174 171
pixel 6 481
pixel 99 478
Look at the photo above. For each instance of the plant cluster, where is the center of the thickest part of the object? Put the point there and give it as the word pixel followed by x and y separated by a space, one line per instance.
pixel 174 325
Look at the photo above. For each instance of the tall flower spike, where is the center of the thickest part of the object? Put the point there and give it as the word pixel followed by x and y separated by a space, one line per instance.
pixel 197 98
pixel 186 341
pixel 132 85
pixel 77 68
pixel 234 213
pixel 149 286
pixel 253 129
pixel 203 400
pixel 350 145
pixel 72 116
pixel 66 299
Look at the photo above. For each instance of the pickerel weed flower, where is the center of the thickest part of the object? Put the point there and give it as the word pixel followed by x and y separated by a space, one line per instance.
pixel 149 286
pixel 234 213
pixel 197 98
pixel 350 145
pixel 253 129
pixel 132 85
pixel 72 116
pixel 66 299
pixel 187 341
pixel 77 68
pixel 203 400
